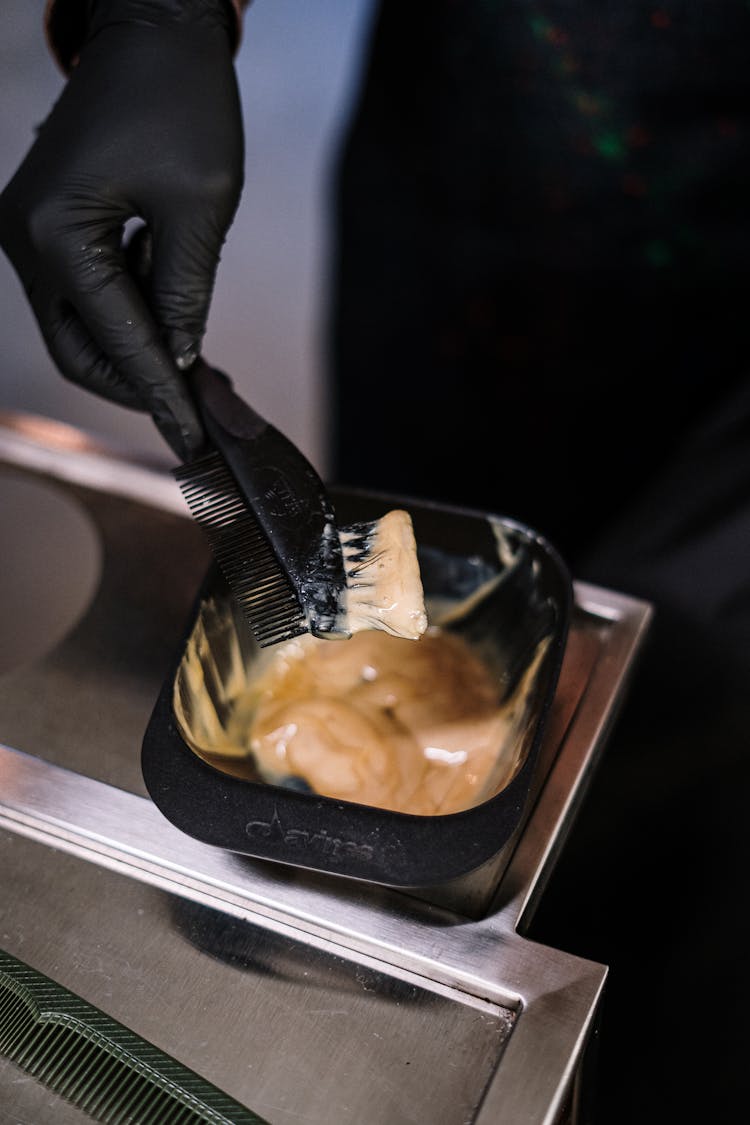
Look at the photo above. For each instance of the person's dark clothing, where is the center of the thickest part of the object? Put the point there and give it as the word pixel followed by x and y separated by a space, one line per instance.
pixel 540 250
pixel 541 239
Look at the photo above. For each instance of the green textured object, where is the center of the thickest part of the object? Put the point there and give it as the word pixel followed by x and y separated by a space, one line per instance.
pixel 98 1064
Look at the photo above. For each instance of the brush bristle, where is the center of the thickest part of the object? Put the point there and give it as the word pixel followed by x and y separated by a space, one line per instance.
pixel 383 582
pixel 242 550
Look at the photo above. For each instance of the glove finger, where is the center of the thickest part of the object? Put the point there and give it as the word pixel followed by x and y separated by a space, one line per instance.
pixel 81 360
pixel 75 353
pixel 109 304
pixel 138 249
pixel 183 265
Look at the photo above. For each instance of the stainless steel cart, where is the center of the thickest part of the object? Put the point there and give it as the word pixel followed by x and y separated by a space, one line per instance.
pixel 309 999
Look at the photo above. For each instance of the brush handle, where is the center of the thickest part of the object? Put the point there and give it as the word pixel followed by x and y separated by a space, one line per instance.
pixel 283 491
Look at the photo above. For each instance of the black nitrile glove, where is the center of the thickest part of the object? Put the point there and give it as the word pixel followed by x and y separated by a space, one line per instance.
pixel 149 125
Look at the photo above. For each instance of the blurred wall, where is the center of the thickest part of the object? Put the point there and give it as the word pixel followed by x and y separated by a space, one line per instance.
pixel 298 67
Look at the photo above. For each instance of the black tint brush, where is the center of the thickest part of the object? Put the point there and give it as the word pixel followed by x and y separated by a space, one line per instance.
pixel 272 529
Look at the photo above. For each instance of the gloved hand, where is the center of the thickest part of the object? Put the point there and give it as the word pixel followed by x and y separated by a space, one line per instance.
pixel 148 125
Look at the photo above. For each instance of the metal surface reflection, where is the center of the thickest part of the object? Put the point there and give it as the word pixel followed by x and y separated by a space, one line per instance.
pixel 51 563
pixel 307 997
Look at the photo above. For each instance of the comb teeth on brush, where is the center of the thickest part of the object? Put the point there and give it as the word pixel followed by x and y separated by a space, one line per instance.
pixel 245 557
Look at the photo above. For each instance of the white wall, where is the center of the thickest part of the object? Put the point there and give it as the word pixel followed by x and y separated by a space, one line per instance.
pixel 298 68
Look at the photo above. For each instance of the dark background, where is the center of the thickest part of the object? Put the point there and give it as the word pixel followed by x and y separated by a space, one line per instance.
pixel 541 240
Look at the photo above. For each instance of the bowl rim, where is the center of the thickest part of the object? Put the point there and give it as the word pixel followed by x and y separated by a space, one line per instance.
pixel 326 834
